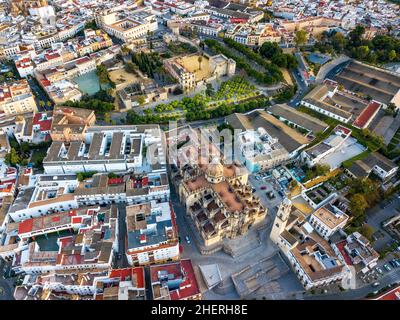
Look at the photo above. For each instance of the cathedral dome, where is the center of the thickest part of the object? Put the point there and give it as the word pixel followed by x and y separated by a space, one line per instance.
pixel 215 169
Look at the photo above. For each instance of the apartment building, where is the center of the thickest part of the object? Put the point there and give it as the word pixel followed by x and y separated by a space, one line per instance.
pixel 33 128
pixel 94 40
pixel 260 151
pixel 116 284
pixel 375 163
pixel 320 152
pixel 174 281
pixel 45 194
pixel 328 219
pixel 17 98
pixel 265 142
pixel 77 239
pixel 70 124
pixel 128 188
pixel 48 59
pixel 108 149
pixel 152 235
pixel 356 250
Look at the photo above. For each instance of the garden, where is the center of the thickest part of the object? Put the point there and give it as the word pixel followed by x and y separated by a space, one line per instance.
pixel 272 76
pixel 178 48
pixel 232 91
pixel 320 193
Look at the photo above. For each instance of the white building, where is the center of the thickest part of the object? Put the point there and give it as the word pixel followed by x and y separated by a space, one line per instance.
pixel 328 219
pixel 319 152
pixel 151 233
pixel 260 151
pixel 108 149
pixel 126 26
pixel 44 195
pixel 311 256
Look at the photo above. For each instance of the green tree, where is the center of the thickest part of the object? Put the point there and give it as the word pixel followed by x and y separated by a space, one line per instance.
pixel 322 169
pixel 358 204
pixel 107 117
pixel 367 231
pixel 141 100
pixel 300 38
pixel 210 90
pixel 392 55
pixel 200 60
pixel 12 158
pixel 339 41
pixel 130 67
pixel 270 49
pixel 355 36
pixel 362 52
pixel 25 147
pixel 112 175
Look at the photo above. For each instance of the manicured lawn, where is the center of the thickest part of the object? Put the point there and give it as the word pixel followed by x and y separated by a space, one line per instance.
pixel 348 163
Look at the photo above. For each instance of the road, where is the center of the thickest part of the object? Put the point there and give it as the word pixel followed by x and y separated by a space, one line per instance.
pixel 356 294
pixel 40 95
pixel 376 215
pixel 301 89
pixel 302 86
pixel 6 285
pixel 330 69
pixel 123 262
pixel 335 70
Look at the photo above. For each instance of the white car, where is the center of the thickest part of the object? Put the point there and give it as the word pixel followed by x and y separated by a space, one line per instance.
pixel 187 239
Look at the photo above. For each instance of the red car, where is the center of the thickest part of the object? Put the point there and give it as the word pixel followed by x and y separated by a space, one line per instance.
pixel 263 187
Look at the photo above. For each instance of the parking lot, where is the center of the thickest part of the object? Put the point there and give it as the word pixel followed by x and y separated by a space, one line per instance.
pixel 385 267
pixel 379 214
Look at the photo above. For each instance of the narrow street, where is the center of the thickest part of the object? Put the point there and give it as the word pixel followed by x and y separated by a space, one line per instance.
pixel 123 261
pixel 360 293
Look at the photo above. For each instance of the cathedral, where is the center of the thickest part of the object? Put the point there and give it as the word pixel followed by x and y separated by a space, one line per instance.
pixel 218 199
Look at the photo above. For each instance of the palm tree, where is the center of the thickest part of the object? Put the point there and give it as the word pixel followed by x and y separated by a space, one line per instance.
pixel 200 59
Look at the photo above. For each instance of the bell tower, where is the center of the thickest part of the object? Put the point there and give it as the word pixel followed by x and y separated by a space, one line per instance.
pixel 281 220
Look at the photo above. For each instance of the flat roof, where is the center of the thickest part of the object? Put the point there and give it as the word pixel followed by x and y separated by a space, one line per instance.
pixel 378 83
pixel 329 218
pixel 291 114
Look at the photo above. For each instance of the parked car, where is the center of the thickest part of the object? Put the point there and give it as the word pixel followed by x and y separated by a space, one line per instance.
pixel 270 195
pixel 187 239
pixel 379 270
pixel 263 187
pixel 395 263
pixel 281 193
pixel 387 267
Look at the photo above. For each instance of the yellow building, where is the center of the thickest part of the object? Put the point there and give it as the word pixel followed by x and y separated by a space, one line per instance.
pixel 17 98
